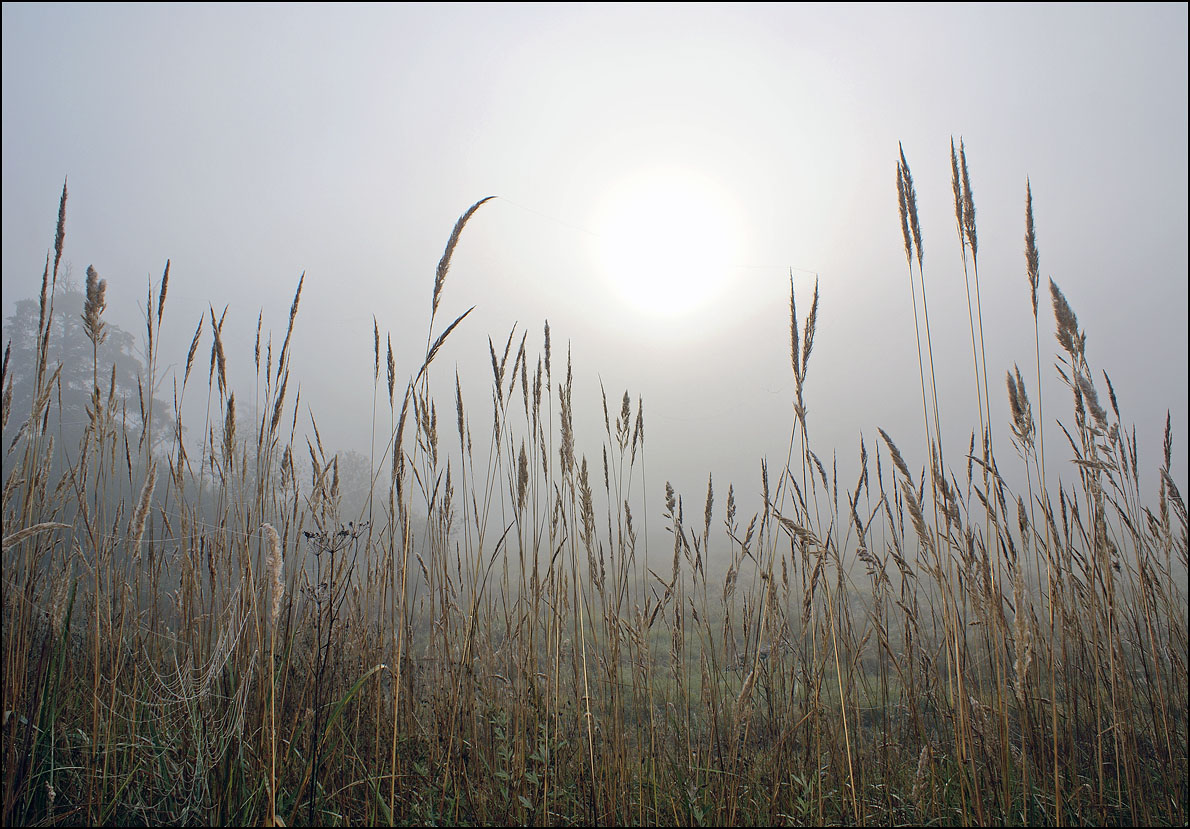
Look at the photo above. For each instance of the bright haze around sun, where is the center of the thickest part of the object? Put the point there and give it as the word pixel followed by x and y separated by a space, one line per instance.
pixel 662 173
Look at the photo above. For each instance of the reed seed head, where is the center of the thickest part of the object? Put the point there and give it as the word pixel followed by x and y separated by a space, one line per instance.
pixel 1031 257
pixel 94 306
pixel 276 565
pixel 968 204
pixel 60 233
pixel 1068 334
pixel 957 188
pixel 444 262
pixel 136 529
pixel 1022 414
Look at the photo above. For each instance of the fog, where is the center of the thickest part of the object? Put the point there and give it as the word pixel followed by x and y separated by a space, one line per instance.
pixel 250 145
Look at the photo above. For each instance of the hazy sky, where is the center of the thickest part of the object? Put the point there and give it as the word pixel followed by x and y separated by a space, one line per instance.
pixel 249 144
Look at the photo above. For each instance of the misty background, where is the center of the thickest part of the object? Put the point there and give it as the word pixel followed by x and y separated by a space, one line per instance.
pixel 250 144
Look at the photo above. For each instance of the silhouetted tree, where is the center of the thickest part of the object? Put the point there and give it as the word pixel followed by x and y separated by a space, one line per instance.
pixel 112 366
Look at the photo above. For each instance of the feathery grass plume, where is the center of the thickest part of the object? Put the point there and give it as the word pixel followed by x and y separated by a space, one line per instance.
pixel 433 352
pixel 794 340
pixel 58 604
pixel 7 383
pixel 39 405
pixel 911 205
pixel 1022 634
pixel 293 308
pixel 741 700
pixel 710 503
pixel 43 328
pixel 60 232
pixel 276 566
pixel 279 406
pixel 217 358
pixel 136 529
pixel 20 535
pixel 161 293
pixel 808 334
pixel 957 188
pixel 497 372
pixel 903 207
pixel 524 377
pixel 919 777
pixel 94 306
pixel 1022 414
pixel 915 513
pixel 1031 257
pixel 229 433
pixel 522 478
pixel 392 370
pixel 193 349
pixel 1091 397
pixel 566 450
pixel 587 513
pixel 256 348
pixel 1068 334
pixel 1175 496
pixel 638 426
pixel 6 405
pixel 897 459
pixel 375 349
pixel 444 262
pixel 459 407
pixel 968 203
pixel 1167 443
pixel 1111 395
pixel 625 416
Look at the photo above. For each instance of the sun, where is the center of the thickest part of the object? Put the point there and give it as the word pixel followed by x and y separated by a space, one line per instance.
pixel 668 240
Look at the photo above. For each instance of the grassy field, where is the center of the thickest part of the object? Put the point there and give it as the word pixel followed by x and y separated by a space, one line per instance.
pixel 196 632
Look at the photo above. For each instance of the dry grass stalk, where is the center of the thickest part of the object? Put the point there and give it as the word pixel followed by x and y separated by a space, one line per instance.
pixel 527 686
pixel 17 537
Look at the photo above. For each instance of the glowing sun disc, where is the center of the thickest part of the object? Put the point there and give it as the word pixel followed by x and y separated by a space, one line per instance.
pixel 668 241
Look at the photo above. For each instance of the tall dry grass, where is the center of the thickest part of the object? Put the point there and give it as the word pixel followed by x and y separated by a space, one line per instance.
pixel 206 635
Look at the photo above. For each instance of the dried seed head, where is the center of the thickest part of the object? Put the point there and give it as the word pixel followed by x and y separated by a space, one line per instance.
pixel 276 564
pixel 375 349
pixel 444 262
pixel 60 234
pixel 522 477
pixel 392 370
pixel 710 504
pixel 904 211
pixel 1031 257
pixel 229 433
pixel 1022 414
pixel 919 778
pixel 898 461
pixel 94 306
pixel 968 204
pixel 161 294
pixel 1022 640
pixel 136 529
pixel 957 188
pixel 911 205
pixel 1091 397
pixel 217 358
pixel 1068 334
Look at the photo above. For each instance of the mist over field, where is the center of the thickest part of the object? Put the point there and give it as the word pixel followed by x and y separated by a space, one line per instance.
pixel 655 414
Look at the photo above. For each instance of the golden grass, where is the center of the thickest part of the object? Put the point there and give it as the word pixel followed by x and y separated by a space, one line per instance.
pixel 485 638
